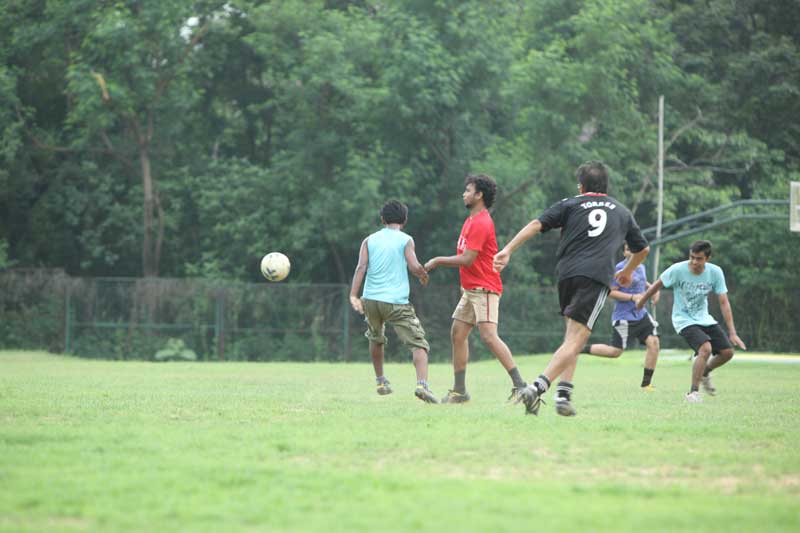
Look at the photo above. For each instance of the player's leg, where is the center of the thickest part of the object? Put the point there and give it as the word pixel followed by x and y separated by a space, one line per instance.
pixel 581 301
pixel 376 326
pixel 722 351
pixel 463 321
pixel 487 309
pixel 647 333
pixel 565 388
pixel 411 333
pixel 700 342
pixel 619 339
pixel 652 345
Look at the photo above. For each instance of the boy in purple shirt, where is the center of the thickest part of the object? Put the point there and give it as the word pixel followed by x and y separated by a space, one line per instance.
pixel 629 322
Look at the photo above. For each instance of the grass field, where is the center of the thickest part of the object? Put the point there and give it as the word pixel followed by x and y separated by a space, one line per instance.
pixel 120 446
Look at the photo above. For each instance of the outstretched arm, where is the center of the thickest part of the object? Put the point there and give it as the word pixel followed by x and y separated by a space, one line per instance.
pixel 501 259
pixel 413 263
pixel 465 259
pixel 654 288
pixel 727 314
pixel 358 278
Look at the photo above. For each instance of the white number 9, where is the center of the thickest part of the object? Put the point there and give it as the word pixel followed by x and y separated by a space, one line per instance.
pixel 597 220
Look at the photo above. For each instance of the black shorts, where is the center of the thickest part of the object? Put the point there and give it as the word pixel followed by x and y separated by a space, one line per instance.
pixel 696 336
pixel 582 299
pixel 637 329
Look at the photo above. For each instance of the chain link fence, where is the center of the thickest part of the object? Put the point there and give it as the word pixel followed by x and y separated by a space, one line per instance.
pixel 125 318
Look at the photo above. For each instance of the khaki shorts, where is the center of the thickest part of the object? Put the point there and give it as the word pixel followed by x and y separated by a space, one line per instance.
pixel 401 316
pixel 478 305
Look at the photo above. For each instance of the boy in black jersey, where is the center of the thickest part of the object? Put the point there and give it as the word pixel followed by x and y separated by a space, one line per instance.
pixel 593 229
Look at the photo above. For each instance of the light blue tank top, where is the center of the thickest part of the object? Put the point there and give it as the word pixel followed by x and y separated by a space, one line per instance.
pixel 387 270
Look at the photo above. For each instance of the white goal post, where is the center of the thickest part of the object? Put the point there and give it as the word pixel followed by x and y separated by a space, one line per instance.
pixel 794 206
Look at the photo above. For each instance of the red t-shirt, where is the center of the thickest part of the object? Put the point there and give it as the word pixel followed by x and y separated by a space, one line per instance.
pixel 477 233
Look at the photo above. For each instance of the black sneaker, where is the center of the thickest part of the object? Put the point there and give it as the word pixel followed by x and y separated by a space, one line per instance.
pixel 530 397
pixel 424 394
pixel 564 407
pixel 456 397
pixel 514 396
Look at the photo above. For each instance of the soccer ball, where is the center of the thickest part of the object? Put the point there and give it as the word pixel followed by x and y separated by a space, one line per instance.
pixel 275 266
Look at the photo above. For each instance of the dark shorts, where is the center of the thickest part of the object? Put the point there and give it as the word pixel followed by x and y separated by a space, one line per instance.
pixel 696 336
pixel 625 330
pixel 582 299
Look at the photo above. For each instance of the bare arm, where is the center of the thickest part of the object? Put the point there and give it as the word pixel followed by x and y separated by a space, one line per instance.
pixel 656 296
pixel 621 296
pixel 532 229
pixel 625 276
pixel 654 288
pixel 358 278
pixel 413 263
pixel 465 259
pixel 727 314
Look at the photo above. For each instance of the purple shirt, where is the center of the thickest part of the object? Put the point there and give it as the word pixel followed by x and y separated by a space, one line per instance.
pixel 626 310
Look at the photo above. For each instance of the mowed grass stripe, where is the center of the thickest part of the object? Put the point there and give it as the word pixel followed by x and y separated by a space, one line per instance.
pixel 311 447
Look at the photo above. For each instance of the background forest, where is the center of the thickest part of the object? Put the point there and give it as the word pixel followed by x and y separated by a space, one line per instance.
pixel 187 138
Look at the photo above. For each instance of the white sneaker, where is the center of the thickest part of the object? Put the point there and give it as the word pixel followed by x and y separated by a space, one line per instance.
pixel 708 386
pixel 694 397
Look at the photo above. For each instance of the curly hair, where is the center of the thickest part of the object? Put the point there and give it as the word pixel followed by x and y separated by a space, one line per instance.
pixel 483 184
pixel 394 212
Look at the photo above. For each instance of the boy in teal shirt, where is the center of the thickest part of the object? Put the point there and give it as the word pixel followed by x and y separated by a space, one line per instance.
pixel 692 281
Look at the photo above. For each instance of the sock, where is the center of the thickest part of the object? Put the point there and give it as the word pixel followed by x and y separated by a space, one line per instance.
pixel 460 385
pixel 587 349
pixel 516 378
pixel 541 384
pixel 706 372
pixel 381 379
pixel 422 383
pixel 648 376
pixel 564 390
pixel 694 389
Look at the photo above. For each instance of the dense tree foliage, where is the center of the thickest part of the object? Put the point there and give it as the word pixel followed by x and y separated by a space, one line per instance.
pixel 189 137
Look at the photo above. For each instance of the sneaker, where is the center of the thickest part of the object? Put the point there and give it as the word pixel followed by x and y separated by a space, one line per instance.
pixel 694 397
pixel 456 397
pixel 514 396
pixel 564 407
pixel 649 388
pixel 708 386
pixel 383 388
pixel 530 397
pixel 425 395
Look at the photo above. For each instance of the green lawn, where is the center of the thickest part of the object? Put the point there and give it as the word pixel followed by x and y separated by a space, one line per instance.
pixel 120 446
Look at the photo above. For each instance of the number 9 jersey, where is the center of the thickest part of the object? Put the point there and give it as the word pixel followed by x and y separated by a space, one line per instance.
pixel 593 228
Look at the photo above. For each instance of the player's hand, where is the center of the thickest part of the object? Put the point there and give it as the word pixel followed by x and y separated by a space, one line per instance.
pixel 624 279
pixel 501 260
pixel 639 301
pixel 357 305
pixel 423 278
pixel 430 265
pixel 737 341
pixel 636 298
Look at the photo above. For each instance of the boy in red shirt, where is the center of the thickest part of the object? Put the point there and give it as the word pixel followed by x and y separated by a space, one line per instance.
pixel 481 288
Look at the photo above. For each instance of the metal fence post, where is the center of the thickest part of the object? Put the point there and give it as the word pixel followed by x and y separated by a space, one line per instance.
pixel 67 321
pixel 219 325
pixel 346 323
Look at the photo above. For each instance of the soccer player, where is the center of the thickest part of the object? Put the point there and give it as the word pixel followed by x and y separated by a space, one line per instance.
pixel 631 323
pixel 481 288
pixel 692 281
pixel 385 257
pixel 593 228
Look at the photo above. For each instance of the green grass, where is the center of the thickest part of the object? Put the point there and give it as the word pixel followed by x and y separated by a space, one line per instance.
pixel 119 446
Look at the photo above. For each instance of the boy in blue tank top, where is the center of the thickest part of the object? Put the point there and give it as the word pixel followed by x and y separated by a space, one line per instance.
pixel 630 323
pixel 385 258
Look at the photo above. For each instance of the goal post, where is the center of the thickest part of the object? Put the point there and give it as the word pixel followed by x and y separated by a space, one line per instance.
pixel 794 206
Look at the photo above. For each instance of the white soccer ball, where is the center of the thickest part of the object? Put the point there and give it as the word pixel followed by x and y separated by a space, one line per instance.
pixel 275 266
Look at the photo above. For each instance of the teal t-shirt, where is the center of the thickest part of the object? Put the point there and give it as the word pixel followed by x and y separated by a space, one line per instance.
pixel 387 270
pixel 690 306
